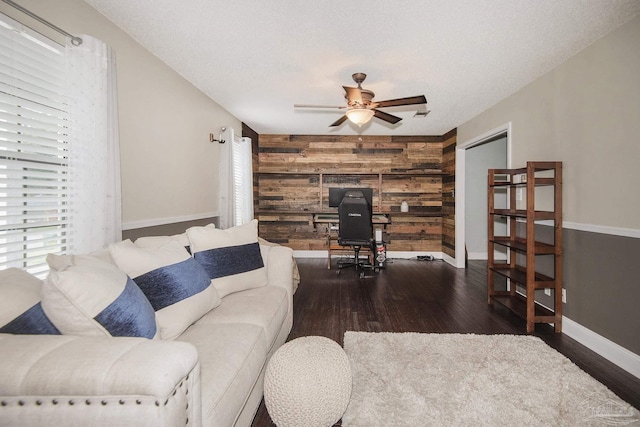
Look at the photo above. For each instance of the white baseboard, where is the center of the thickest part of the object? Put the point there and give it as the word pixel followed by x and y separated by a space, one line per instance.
pixel 480 256
pixel 451 260
pixel 611 351
pixel 390 254
pixel 412 254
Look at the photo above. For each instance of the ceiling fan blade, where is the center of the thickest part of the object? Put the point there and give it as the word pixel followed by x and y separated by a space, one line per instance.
pixel 340 121
pixel 386 116
pixel 318 106
pixel 353 95
pixel 402 101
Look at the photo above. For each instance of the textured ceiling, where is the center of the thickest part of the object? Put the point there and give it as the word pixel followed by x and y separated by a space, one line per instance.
pixel 258 58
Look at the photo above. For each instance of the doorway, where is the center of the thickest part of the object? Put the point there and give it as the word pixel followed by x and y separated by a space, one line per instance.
pixel 473 158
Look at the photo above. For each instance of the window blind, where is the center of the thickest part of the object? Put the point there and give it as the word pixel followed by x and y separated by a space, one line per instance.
pixel 238 178
pixel 242 180
pixel 34 192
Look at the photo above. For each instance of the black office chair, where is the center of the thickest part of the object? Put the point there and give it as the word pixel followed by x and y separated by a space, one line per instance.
pixel 356 228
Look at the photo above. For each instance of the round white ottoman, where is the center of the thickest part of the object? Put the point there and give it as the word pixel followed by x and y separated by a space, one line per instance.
pixel 307 383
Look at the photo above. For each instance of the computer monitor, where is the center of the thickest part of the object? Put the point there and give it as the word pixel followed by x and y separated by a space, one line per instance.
pixel 337 194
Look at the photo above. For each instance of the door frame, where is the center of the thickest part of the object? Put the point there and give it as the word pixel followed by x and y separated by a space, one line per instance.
pixel 504 129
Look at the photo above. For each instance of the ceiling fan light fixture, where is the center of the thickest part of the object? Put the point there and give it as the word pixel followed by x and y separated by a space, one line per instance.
pixel 360 116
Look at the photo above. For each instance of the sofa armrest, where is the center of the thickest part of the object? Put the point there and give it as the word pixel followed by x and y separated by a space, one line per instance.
pixel 280 266
pixel 79 381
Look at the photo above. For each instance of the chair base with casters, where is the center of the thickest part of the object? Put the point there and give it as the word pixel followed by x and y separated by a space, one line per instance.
pixel 334 248
pixel 359 264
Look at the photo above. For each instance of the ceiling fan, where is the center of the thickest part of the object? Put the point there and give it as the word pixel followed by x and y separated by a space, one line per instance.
pixel 361 107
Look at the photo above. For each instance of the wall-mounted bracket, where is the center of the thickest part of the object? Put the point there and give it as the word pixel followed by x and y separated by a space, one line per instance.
pixel 212 138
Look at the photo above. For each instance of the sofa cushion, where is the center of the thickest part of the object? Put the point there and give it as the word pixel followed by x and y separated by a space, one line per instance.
pixel 231 257
pixel 20 307
pixel 178 288
pixel 93 297
pixel 265 307
pixel 232 357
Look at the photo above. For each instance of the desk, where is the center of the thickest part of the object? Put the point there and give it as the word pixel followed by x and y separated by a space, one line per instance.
pixel 332 218
pixel 333 221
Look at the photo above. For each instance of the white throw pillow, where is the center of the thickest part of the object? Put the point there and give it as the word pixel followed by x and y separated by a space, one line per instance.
pixel 20 307
pixel 178 288
pixel 157 241
pixel 60 262
pixel 152 242
pixel 93 297
pixel 231 257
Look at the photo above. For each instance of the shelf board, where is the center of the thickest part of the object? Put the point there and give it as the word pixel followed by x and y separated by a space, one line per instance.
pixel 290 172
pixel 520 245
pixel 284 212
pixel 537 166
pixel 414 214
pixel 521 213
pixel 408 173
pixel 518 171
pixel 518 305
pixel 335 212
pixel 537 182
pixel 545 181
pixel 519 275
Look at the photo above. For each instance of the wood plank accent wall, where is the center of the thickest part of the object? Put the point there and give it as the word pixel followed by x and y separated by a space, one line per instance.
pixel 294 174
pixel 448 192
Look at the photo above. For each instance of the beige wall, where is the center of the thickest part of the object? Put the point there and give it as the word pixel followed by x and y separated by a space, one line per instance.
pixel 586 113
pixel 169 167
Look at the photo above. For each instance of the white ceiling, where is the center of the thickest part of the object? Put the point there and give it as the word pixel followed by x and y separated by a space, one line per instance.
pixel 258 58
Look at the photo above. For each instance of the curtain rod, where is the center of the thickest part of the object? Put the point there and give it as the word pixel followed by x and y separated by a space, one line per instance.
pixel 76 41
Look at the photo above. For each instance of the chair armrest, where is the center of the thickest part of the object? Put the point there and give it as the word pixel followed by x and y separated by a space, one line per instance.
pixel 69 380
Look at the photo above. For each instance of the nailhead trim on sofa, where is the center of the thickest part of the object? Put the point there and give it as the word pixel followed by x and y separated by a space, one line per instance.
pixel 71 402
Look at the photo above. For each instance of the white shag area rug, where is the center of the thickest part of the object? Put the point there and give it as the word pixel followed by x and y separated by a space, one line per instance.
pixel 412 379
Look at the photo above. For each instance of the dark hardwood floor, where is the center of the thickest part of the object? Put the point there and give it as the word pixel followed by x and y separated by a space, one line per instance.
pixel 424 296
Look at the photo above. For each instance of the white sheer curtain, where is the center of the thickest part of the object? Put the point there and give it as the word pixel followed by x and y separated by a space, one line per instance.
pixel 235 178
pixel 94 161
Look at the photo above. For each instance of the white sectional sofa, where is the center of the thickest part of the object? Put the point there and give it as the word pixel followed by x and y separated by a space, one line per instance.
pixel 210 374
